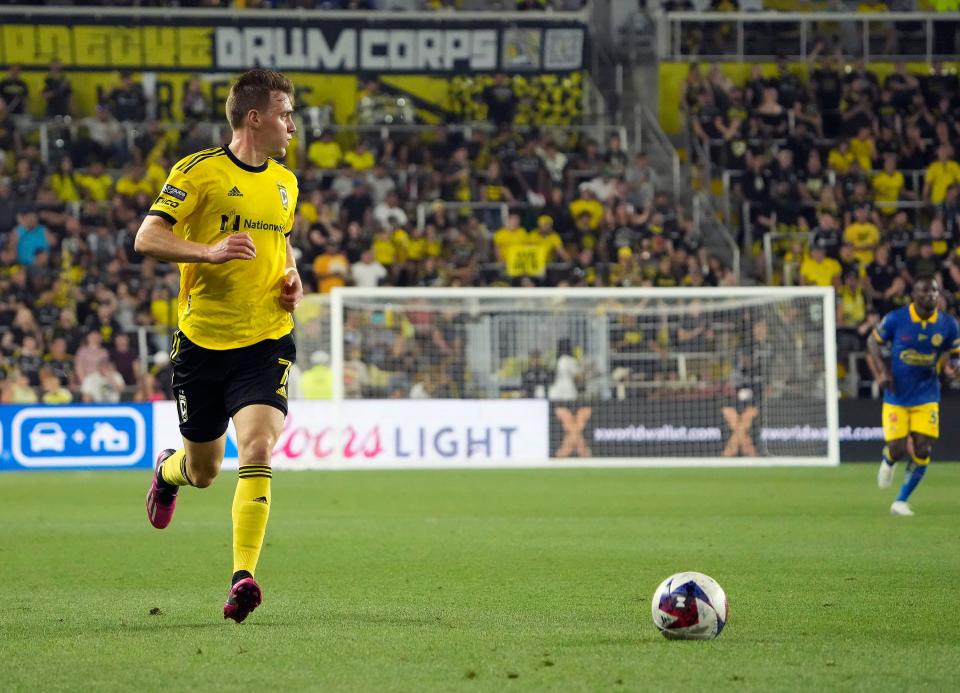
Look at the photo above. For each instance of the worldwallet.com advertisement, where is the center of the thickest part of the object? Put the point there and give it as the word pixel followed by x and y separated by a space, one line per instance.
pixel 396 434
pixel 711 428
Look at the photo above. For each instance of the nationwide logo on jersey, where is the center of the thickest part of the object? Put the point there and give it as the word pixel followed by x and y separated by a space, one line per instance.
pixel 234 192
pixel 284 199
pixel 936 340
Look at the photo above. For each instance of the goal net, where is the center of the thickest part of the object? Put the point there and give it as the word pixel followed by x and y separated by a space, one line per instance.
pixel 554 377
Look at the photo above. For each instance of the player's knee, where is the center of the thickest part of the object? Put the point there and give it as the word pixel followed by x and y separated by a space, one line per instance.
pixel 897 449
pixel 203 473
pixel 257 450
pixel 203 477
pixel 203 481
pixel 922 449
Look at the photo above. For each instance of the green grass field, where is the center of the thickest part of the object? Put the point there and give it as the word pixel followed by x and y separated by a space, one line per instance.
pixel 483 580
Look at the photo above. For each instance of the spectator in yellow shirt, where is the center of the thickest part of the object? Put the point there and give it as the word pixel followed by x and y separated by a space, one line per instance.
pixel 863 235
pixel 66 182
pixel 361 158
pixel 384 249
pixel 864 149
pixel 546 237
pixel 840 157
pixel 330 268
pixel 941 174
pixel 401 242
pixel 135 182
pixel 416 245
pixel 509 234
pixel 312 208
pixel 325 153
pixel 854 320
pixel 887 185
pixel 817 269
pixel 156 174
pixel 96 182
pixel 587 202
pixel 163 308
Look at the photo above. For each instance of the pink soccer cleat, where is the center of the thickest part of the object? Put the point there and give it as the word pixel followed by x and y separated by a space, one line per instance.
pixel 245 596
pixel 161 501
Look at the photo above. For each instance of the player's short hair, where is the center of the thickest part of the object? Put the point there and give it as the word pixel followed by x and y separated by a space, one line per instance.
pixel 252 92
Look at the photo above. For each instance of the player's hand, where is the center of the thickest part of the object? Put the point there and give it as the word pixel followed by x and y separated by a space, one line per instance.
pixel 885 381
pixel 291 293
pixel 951 369
pixel 236 246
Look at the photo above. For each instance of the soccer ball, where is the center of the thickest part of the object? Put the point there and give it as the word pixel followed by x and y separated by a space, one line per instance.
pixel 690 606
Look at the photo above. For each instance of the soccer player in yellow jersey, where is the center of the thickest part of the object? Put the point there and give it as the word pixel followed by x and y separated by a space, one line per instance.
pixel 224 216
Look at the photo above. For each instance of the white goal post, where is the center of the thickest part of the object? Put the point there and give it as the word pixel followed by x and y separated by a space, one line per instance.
pixel 520 377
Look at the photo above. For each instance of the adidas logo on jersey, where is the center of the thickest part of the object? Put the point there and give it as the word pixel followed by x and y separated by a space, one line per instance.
pixel 234 192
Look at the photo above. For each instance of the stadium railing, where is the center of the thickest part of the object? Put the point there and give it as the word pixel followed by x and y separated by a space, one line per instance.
pixel 709 224
pixel 229 15
pixel 47 131
pixel 652 139
pixel 746 36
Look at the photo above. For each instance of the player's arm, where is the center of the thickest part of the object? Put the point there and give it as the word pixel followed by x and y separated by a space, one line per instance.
pixel 951 361
pixel 156 239
pixel 875 359
pixel 291 293
pixel 178 203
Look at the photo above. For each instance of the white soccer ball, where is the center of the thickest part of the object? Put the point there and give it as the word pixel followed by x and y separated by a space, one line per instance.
pixel 690 606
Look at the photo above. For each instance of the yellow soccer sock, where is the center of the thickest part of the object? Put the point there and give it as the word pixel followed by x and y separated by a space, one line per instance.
pixel 174 469
pixel 251 508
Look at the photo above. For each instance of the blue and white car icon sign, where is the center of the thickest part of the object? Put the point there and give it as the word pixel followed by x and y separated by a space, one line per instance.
pixel 80 436
pixel 47 436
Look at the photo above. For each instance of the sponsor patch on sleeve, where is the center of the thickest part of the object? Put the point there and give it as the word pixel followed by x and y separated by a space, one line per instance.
pixel 174 191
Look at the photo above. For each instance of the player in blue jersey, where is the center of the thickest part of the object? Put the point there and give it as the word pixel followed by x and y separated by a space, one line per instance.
pixel 918 335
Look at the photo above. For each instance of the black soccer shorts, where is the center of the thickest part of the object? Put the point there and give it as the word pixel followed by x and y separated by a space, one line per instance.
pixel 210 385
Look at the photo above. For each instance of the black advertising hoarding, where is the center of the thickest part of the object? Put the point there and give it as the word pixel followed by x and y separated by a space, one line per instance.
pixel 713 428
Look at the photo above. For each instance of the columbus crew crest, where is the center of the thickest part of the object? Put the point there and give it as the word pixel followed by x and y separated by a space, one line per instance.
pixel 937 340
pixel 284 198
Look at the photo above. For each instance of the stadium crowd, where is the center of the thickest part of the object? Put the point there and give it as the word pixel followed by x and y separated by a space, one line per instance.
pixel 74 295
pixel 855 176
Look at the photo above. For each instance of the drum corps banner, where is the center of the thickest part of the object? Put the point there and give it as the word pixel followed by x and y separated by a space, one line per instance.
pixel 383 44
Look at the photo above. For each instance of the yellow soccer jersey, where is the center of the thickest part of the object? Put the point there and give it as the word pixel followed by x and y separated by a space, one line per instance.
pixel 208 195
